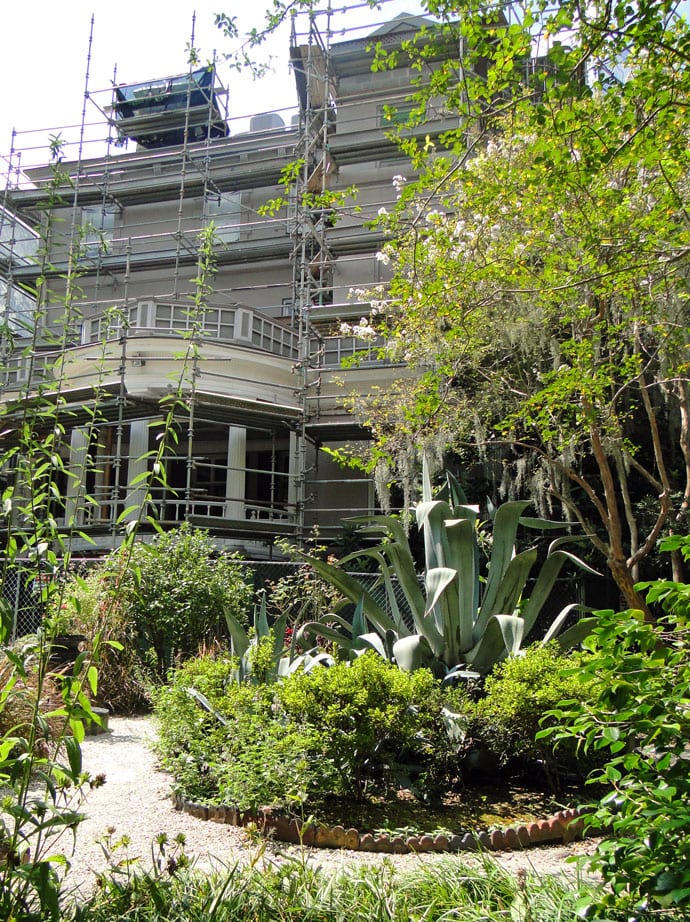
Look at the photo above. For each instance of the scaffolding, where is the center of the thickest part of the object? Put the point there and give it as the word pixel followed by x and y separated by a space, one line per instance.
pixel 262 345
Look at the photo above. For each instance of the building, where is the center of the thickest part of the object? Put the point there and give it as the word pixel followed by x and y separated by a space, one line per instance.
pixel 139 321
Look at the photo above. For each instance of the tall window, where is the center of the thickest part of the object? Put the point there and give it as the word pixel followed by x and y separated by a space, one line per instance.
pixel 224 209
pixel 98 228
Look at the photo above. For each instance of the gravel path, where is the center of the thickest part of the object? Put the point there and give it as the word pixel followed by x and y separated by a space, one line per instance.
pixel 135 802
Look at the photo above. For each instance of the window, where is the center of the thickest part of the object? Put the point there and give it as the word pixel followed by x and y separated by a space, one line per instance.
pixel 395 116
pixel 98 229
pixel 224 209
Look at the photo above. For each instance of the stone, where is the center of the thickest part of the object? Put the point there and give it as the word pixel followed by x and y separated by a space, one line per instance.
pixel 498 840
pixel 469 842
pixel 523 836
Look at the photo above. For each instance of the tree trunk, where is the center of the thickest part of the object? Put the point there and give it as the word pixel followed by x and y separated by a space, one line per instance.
pixel 625 582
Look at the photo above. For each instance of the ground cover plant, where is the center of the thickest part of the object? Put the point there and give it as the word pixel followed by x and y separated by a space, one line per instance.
pixel 289 890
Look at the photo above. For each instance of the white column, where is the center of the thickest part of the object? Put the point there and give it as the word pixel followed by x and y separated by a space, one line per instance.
pixel 236 476
pixel 138 464
pixel 76 486
pixel 293 475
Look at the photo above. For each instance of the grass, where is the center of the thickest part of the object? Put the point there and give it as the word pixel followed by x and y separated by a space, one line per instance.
pixel 291 890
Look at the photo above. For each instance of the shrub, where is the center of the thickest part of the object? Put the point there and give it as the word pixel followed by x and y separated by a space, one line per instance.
pixel 343 731
pixel 175 591
pixel 519 691
pixel 639 721
pixel 224 742
pixel 376 723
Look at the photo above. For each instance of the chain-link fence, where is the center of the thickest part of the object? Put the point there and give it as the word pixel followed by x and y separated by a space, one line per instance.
pixel 24 591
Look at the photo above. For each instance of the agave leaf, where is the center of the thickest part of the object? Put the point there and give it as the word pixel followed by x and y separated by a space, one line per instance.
pixel 402 564
pixel 372 641
pixel 327 618
pixel 502 636
pixel 558 622
pixel 313 629
pixel 261 618
pixel 463 556
pixel 414 652
pixel 359 622
pixel 440 622
pixel 456 495
pixel 460 672
pixel 569 540
pixel 319 660
pixel 279 626
pixel 379 524
pixel 397 551
pixel 543 524
pixel 353 590
pixel 387 574
pixel 431 517
pixel 576 634
pixel 502 549
pixel 508 592
pixel 546 578
pixel 238 635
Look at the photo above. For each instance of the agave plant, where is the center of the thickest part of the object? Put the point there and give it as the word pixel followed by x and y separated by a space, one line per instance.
pixel 268 645
pixel 460 624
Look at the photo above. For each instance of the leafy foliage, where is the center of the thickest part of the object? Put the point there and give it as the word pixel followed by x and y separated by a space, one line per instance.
pixel 639 721
pixel 505 720
pixel 539 270
pixel 374 721
pixel 175 591
pixel 338 732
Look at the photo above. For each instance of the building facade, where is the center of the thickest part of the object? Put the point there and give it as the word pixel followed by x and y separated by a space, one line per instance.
pixel 149 291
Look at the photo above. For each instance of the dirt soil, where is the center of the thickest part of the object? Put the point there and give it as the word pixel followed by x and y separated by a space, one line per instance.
pixel 135 802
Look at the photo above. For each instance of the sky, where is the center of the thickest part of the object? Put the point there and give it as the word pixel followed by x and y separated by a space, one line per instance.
pixel 43 65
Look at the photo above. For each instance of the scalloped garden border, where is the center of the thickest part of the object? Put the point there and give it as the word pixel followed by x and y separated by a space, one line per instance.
pixel 565 826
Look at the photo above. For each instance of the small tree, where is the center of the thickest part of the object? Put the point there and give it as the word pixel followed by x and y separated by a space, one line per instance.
pixel 175 591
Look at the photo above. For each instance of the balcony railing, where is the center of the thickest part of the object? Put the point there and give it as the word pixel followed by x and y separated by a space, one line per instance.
pixel 221 324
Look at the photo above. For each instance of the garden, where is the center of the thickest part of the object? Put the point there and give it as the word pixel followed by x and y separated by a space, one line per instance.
pixel 263 716
pixel 419 686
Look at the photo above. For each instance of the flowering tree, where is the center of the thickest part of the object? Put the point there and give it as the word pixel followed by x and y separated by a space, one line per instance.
pixel 539 288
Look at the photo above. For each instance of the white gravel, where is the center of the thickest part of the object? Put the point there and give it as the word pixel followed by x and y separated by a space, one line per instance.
pixel 135 802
